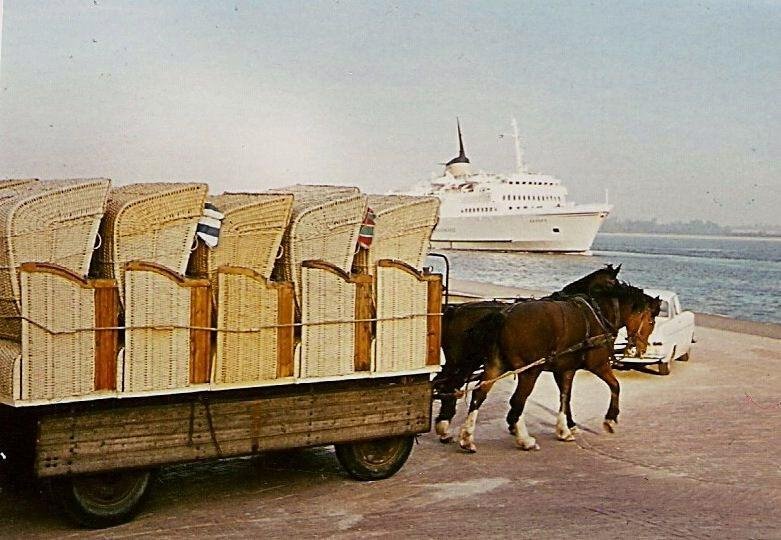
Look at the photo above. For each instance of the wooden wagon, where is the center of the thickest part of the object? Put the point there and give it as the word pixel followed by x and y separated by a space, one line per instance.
pixel 108 374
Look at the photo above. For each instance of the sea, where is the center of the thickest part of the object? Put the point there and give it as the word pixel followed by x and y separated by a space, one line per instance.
pixel 738 277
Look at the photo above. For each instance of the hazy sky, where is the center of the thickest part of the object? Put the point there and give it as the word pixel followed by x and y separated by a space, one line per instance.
pixel 672 106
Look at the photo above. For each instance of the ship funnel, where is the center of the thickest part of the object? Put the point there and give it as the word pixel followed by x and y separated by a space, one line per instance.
pixel 459 166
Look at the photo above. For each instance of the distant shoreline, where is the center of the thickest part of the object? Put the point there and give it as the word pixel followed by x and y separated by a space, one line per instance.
pixel 696 236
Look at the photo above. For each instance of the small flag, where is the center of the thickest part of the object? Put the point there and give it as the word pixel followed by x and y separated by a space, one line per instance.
pixel 366 233
pixel 209 225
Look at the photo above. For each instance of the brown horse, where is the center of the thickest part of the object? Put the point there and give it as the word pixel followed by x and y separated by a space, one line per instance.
pixel 569 334
pixel 462 360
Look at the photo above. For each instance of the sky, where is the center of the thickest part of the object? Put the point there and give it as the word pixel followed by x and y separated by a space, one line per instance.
pixel 673 107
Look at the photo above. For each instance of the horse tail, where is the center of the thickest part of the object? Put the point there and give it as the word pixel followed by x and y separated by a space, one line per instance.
pixel 483 337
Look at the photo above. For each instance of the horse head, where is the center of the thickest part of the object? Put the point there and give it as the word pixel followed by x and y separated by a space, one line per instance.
pixel 637 311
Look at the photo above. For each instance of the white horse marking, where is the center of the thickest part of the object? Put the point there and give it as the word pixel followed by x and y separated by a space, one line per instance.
pixel 610 426
pixel 443 430
pixel 563 433
pixel 466 438
pixel 522 437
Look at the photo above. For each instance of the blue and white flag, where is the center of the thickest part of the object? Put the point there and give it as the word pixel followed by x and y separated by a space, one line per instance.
pixel 209 225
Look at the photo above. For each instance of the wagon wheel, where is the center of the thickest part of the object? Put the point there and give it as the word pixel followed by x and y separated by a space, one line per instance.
pixel 376 459
pixel 102 500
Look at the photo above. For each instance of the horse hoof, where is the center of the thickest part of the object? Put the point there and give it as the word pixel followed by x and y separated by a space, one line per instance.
pixel 610 426
pixel 574 430
pixel 529 445
pixel 446 439
pixel 442 427
pixel 469 448
pixel 566 438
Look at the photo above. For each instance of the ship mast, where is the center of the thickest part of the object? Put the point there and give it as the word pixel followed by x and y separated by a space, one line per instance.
pixel 518 150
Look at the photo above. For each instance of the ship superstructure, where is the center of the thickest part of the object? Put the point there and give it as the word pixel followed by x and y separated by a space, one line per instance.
pixel 524 211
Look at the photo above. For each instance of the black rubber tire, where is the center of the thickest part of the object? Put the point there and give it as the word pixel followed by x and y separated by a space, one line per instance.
pixel 376 459
pixel 102 500
pixel 684 358
pixel 664 368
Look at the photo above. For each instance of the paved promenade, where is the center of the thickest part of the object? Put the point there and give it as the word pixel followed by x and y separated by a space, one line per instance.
pixel 697 455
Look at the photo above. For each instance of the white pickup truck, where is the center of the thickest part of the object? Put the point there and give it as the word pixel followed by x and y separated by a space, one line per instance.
pixel 671 339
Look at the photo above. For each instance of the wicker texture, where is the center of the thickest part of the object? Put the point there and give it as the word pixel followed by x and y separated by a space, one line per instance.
pixel 54 221
pixel 10 363
pixel 62 364
pixel 152 222
pixel 13 186
pixel 246 302
pixel 157 339
pixel 250 235
pixel 327 349
pixel 403 226
pixel 324 225
pixel 400 343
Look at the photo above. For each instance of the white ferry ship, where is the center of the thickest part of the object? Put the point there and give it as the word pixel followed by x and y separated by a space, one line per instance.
pixel 524 211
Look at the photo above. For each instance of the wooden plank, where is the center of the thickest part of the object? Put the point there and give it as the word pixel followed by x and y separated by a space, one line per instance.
pixel 364 311
pixel 200 340
pixel 106 341
pixel 285 334
pixel 434 320
pixel 148 435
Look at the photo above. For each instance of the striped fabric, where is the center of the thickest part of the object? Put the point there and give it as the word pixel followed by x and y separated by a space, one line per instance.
pixel 366 233
pixel 209 225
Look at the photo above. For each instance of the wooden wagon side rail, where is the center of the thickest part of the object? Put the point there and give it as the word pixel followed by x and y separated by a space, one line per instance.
pixel 203 426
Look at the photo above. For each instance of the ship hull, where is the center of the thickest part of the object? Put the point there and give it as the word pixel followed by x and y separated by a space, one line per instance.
pixel 563 232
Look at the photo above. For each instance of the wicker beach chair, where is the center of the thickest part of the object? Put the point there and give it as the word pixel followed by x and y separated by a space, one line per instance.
pixel 54 221
pixel 250 235
pixel 403 226
pixel 324 226
pixel 254 315
pixel 63 352
pixel 152 222
pixel 167 336
pixel 409 305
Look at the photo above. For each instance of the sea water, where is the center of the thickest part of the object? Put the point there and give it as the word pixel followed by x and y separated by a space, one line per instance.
pixel 736 277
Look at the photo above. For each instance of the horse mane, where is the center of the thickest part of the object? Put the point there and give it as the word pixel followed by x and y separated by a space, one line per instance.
pixel 581 285
pixel 626 291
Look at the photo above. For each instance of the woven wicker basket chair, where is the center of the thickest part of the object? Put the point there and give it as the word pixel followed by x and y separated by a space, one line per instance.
pixel 152 222
pixel 254 315
pixel 55 221
pixel 324 226
pixel 403 226
pixel 254 328
pixel 250 235
pixel 167 336
pixel 336 321
pixel 409 303
pixel 62 354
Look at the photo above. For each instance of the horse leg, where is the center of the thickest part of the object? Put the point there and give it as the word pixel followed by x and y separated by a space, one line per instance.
pixel 466 438
pixel 565 426
pixel 515 417
pixel 605 372
pixel 447 411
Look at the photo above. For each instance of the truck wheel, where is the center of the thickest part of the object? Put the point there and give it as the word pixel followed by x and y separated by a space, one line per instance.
pixel 376 459
pixel 102 500
pixel 664 368
pixel 684 358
